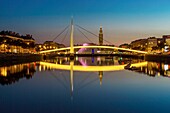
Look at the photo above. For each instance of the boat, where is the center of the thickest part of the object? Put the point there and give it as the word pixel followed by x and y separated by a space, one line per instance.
pixel 128 66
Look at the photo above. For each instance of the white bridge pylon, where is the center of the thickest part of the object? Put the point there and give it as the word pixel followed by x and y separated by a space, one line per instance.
pixel 104 47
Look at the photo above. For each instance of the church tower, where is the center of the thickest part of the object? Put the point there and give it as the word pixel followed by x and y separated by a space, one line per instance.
pixel 101 36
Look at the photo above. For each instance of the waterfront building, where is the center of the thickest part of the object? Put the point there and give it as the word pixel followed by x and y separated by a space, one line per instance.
pixel 160 42
pixel 125 45
pixel 38 47
pixel 61 45
pixel 14 43
pixel 139 44
pixel 29 40
pixel 166 39
pixel 151 43
pixel 48 45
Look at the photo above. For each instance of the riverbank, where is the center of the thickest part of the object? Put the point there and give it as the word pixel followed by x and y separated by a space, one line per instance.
pixel 158 58
pixel 8 59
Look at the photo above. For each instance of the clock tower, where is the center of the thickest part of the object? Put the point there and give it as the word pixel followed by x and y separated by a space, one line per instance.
pixel 101 36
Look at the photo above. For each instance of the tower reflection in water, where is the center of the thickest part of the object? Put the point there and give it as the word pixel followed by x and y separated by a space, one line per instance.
pixel 12 74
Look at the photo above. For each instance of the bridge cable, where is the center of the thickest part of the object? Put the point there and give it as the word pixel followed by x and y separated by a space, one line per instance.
pixel 60 33
pixel 59 81
pixel 108 42
pixel 85 85
pixel 93 34
pixel 65 36
pixel 86 30
pixel 84 35
pixel 65 79
pixel 84 81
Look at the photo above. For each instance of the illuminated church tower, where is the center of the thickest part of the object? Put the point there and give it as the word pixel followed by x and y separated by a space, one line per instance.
pixel 101 36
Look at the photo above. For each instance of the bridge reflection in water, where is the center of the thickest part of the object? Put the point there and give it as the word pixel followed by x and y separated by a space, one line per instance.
pixel 99 69
pixel 12 74
pixel 73 67
pixel 55 85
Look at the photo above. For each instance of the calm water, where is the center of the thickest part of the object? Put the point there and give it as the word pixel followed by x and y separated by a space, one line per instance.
pixel 86 85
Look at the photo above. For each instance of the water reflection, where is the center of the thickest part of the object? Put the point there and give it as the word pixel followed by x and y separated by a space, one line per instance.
pixel 67 89
pixel 12 74
pixel 100 64
pixel 94 61
pixel 154 69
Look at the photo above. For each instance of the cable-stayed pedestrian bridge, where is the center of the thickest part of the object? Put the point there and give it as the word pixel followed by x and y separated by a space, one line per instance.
pixel 71 50
pixel 96 46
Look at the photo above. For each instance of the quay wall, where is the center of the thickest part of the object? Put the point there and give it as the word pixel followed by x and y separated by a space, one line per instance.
pixel 157 58
pixel 8 59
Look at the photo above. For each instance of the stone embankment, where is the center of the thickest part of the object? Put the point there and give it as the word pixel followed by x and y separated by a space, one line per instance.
pixel 18 58
pixel 158 58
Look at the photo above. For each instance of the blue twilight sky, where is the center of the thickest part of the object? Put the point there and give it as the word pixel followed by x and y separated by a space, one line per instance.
pixel 122 20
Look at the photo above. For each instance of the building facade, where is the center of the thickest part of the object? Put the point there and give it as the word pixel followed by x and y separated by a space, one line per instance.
pixel 124 45
pixel 48 45
pixel 15 43
pixel 151 43
pixel 140 44
pixel 166 39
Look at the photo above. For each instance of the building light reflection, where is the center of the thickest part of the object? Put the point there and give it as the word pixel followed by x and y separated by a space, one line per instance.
pixel 40 68
pixel 12 74
pixel 8 70
pixel 166 67
pixel 3 71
